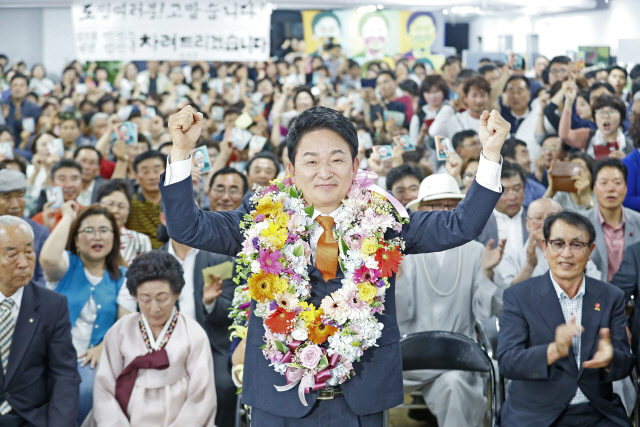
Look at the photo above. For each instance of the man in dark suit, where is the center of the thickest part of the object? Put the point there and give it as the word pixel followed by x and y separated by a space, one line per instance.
pixel 562 338
pixel 323 146
pixel 508 220
pixel 627 278
pixel 209 306
pixel 39 378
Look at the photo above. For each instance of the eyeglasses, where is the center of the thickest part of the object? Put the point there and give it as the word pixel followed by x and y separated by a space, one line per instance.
pixel 221 190
pixel 559 71
pixel 440 206
pixel 575 247
pixel 102 231
pixel 607 113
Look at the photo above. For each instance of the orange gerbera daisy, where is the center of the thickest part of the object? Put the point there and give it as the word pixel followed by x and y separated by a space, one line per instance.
pixel 262 286
pixel 389 261
pixel 281 321
pixel 319 332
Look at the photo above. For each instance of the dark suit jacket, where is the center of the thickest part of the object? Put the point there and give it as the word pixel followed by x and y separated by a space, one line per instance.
pixel 627 278
pixel 216 323
pixel 42 379
pixel 539 393
pixel 380 368
pixel 491 229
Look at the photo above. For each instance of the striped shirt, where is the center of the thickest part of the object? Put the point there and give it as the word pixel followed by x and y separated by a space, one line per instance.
pixel 572 308
pixel 145 218
pixel 133 244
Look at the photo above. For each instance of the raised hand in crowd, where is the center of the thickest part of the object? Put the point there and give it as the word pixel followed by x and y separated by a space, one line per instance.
pixel 494 130
pixel 185 127
pixel 453 166
pixel 491 257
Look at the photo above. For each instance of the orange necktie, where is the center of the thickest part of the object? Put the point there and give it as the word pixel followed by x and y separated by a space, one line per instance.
pixel 327 251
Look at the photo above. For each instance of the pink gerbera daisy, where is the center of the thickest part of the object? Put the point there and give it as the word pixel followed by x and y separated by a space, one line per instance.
pixel 269 261
pixel 364 274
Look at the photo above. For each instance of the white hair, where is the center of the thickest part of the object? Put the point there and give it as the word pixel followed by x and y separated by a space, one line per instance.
pixel 12 221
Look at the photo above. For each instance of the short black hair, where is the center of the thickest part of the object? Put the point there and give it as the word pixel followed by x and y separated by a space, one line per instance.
pixel 164 144
pixel 387 72
pixel 20 76
pixel 613 102
pixel 265 155
pixel 399 172
pixel 228 171
pixel 452 59
pixel 103 100
pixel 155 265
pixel 317 118
pixel 518 77
pixel 571 218
pixel 303 89
pixel 65 163
pixel 635 72
pixel 151 154
pixel 511 169
pixel 617 67
pixel 562 59
pixel 465 74
pixel 87 147
pixel 435 81
pixel 635 86
pixel 477 81
pixel 599 84
pixel 459 137
pixel 409 86
pixel 231 110
pixel 609 162
pixel 486 68
pixel 509 147
pixel 113 185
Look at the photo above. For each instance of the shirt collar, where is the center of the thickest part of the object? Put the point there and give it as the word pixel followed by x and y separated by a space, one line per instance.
pixel 317 213
pixel 153 342
pixel 505 217
pixel 603 221
pixel 561 293
pixel 16 297
pixel 193 252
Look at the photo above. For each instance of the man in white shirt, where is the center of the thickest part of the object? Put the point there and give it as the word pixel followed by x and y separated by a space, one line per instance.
pixel 508 218
pixel 447 123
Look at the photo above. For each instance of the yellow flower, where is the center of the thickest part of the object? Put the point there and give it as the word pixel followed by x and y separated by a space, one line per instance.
pixel 261 286
pixel 283 219
pixel 367 292
pixel 267 208
pixel 280 286
pixel 275 235
pixel 369 246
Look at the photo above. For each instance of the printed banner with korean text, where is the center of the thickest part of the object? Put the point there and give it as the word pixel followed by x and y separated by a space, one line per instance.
pixel 222 30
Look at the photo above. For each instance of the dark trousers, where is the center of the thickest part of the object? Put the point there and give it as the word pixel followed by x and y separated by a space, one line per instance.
pixel 14 420
pixel 583 415
pixel 325 413
pixel 225 390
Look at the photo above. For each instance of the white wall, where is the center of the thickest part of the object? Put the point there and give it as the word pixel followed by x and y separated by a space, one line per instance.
pixel 38 35
pixel 561 32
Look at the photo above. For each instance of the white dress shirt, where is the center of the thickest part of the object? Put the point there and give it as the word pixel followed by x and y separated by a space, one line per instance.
pixel 187 300
pixel 17 299
pixel 510 229
pixel 84 198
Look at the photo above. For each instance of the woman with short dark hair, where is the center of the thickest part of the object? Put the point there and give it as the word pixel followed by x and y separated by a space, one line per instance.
pixel 156 368
pixel 435 93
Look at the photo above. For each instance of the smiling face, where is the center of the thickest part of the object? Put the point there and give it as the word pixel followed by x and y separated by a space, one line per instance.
pixel 323 169
pixel 406 189
pixel 156 301
pixel 95 238
pixel 477 100
pixel 610 188
pixel 567 265
pixel 70 179
pixel 512 198
pixel 261 172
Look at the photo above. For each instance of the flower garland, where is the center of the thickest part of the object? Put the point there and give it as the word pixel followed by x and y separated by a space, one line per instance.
pixel 316 346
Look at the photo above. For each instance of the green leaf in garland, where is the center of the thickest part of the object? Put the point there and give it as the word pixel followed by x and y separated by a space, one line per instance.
pixel 323 363
pixel 280 186
pixel 309 210
pixel 343 245
pixel 281 347
pixel 342 268
pixel 298 251
pixel 263 346
pixel 239 391
pixel 295 365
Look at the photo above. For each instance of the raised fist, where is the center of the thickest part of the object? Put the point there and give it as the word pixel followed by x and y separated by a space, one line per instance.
pixel 494 130
pixel 185 127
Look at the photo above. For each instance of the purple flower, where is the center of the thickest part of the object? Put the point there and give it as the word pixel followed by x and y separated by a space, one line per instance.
pixel 256 242
pixel 276 357
pixel 259 218
pixel 269 261
pixel 290 239
pixel 273 305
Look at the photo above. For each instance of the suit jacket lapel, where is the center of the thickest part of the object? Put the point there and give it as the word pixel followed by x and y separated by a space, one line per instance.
pixel 525 233
pixel 599 254
pixel 590 321
pixel 26 325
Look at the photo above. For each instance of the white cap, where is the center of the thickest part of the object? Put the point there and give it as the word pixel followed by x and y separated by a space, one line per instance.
pixel 436 187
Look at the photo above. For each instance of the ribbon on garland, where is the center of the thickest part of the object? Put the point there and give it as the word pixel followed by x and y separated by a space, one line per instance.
pixel 295 376
pixel 367 179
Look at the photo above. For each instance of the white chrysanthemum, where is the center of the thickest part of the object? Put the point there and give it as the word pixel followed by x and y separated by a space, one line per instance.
pixel 262 309
pixel 299 331
pixel 255 266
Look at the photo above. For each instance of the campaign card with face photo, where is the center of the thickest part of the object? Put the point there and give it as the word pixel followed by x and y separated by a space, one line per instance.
pixel 240 138
pixel 201 159
pixel 405 142
pixel 394 117
pixel 6 149
pixel 217 113
pixel 443 146
pixel 55 147
pixel 55 197
pixel 364 139
pixel 29 124
pixel 128 132
pixel 256 143
pixel 385 151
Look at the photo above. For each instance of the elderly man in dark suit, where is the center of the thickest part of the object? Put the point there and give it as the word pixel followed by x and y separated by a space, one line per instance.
pixel 39 378
pixel 562 338
pixel 323 146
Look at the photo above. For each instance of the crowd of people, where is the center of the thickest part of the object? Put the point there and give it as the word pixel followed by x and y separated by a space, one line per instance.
pixel 82 215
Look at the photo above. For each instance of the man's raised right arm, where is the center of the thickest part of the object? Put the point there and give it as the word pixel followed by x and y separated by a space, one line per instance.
pixel 217 232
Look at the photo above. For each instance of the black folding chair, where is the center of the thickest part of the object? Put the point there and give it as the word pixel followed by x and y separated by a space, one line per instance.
pixel 447 351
